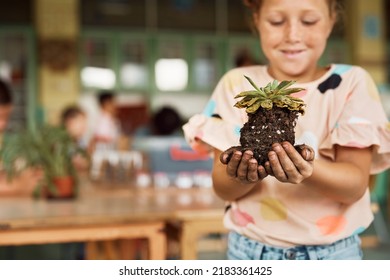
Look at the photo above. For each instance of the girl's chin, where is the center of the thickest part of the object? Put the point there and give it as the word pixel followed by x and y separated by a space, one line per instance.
pixel 289 73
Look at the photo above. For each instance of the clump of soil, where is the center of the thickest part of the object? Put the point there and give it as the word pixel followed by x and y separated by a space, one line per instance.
pixel 272 115
pixel 266 127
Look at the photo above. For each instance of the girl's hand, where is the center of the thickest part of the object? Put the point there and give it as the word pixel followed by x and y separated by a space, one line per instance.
pixel 289 164
pixel 242 166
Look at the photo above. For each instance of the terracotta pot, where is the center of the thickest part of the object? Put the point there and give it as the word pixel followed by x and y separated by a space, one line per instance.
pixel 65 187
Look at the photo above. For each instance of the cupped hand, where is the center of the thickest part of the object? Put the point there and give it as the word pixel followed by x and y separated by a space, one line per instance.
pixel 289 164
pixel 242 166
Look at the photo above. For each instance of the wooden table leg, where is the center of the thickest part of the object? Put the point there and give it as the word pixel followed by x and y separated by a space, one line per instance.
pixel 128 249
pixel 188 242
pixel 157 243
pixel 110 249
pixel 91 250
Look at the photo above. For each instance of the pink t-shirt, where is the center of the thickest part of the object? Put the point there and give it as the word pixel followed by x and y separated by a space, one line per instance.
pixel 107 128
pixel 343 107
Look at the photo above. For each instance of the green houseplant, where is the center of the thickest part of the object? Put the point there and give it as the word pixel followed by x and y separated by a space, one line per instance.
pixel 272 113
pixel 49 148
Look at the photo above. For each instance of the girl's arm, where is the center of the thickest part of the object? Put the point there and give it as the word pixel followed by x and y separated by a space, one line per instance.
pixel 344 180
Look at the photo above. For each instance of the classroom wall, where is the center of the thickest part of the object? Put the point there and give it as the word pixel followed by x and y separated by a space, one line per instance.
pixel 366 32
pixel 57 26
pixel 364 28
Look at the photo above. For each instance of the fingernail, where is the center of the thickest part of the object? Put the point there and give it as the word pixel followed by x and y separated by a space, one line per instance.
pixel 277 148
pixel 261 168
pixel 237 155
pixel 306 154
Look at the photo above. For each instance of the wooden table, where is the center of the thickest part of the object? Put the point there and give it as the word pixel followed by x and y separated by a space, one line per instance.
pixel 108 213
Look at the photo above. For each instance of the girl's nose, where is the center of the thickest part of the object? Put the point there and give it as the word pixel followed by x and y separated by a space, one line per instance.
pixel 293 32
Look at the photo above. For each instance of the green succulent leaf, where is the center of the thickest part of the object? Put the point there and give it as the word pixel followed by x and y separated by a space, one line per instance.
pixel 266 104
pixel 274 85
pixel 251 93
pixel 274 93
pixel 291 91
pixel 252 83
pixel 284 84
pixel 246 102
pixel 268 89
pixel 252 109
pixel 296 99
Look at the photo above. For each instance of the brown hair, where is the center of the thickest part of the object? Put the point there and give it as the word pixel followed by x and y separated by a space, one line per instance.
pixel 334 6
pixel 69 113
pixel 5 94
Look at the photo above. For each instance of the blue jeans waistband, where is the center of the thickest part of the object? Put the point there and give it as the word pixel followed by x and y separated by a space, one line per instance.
pixel 241 247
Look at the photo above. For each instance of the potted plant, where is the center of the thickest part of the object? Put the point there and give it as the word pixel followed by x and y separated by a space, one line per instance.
pixel 272 114
pixel 49 148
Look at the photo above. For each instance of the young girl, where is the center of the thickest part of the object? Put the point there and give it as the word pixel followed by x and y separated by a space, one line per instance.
pixel 74 120
pixel 297 207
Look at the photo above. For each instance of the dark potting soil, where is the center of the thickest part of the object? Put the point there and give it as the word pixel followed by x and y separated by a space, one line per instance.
pixel 266 127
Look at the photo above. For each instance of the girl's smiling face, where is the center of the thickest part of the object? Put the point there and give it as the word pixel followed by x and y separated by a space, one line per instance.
pixel 293 36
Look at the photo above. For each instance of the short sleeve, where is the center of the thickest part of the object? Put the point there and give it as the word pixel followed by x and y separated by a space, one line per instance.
pixel 362 123
pixel 218 126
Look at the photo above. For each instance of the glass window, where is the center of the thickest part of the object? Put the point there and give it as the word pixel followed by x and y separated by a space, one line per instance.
pixel 171 74
pixel 244 52
pixel 171 67
pixel 205 67
pixel 98 77
pixel 133 69
pixel 97 71
pixel 13 70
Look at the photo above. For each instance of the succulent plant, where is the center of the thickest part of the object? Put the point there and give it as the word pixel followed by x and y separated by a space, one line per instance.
pixel 274 94
pixel 272 114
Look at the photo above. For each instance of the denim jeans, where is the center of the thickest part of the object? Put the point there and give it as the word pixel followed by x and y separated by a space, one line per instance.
pixel 243 248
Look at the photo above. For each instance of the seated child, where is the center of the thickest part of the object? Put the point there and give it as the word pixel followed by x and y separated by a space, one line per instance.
pixel 24 184
pixel 74 120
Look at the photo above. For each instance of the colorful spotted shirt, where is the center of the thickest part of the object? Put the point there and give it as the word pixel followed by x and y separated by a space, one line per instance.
pixel 343 108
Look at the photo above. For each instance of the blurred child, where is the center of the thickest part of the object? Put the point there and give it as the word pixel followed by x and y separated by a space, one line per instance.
pixel 25 183
pixel 107 129
pixel 165 122
pixel 74 120
pixel 5 106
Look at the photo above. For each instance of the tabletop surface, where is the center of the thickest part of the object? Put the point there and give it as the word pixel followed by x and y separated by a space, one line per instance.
pixel 108 204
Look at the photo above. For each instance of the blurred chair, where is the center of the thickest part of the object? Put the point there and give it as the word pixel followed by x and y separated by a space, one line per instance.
pixel 172 156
